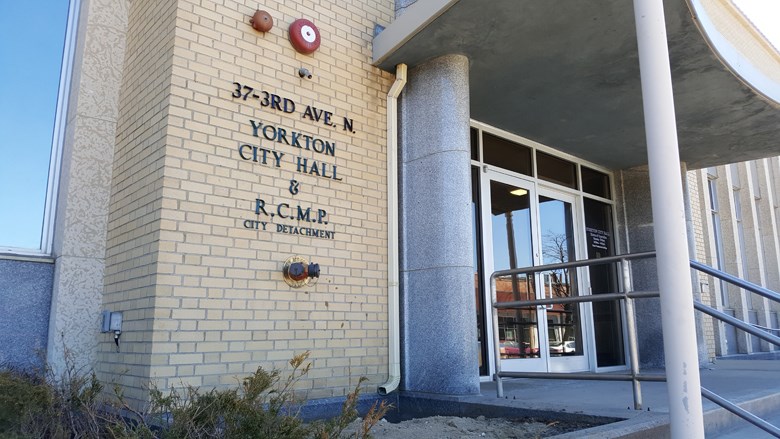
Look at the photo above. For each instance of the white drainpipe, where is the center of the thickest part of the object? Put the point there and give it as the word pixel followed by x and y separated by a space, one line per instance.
pixel 394 338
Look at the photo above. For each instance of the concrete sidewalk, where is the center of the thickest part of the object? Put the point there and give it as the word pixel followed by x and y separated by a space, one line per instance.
pixel 753 384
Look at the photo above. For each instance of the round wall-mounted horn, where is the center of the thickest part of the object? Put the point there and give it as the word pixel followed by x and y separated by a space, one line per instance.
pixel 304 36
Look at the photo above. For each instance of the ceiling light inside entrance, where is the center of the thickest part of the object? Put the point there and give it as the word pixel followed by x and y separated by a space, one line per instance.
pixel 519 192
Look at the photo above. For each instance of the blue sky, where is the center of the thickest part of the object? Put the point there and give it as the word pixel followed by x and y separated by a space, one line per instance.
pixel 31 42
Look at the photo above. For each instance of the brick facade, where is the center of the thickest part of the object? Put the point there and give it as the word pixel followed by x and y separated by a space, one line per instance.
pixel 746 232
pixel 203 294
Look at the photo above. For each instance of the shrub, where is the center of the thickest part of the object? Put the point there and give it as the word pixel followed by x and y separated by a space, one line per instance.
pixel 335 427
pixel 20 395
pixel 36 405
pixel 264 405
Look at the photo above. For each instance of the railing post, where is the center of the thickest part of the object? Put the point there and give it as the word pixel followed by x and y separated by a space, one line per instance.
pixel 633 352
pixel 496 340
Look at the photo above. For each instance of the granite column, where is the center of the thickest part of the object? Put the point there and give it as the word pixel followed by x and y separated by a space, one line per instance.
pixel 438 313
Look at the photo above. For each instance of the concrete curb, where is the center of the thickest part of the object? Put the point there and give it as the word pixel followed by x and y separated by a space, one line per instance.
pixel 656 425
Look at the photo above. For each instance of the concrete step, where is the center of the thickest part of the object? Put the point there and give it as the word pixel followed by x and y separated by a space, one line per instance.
pixel 752 384
pixel 748 431
pixel 722 424
pixel 718 423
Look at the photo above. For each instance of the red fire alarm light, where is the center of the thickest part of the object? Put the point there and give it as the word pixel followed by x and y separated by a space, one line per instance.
pixel 304 36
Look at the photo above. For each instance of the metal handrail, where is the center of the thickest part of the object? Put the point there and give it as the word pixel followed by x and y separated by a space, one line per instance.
pixel 742 413
pixel 765 328
pixel 742 283
pixel 606 297
pixel 573 264
pixel 747 327
pixel 628 297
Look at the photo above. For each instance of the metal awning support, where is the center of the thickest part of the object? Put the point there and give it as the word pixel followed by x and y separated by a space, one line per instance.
pixel 677 318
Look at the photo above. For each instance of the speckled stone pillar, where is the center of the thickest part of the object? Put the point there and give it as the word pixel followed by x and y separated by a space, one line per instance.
pixel 85 187
pixel 635 220
pixel 636 226
pixel 438 315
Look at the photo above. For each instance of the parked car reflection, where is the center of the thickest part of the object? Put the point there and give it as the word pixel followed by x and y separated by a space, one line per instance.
pixel 513 349
pixel 509 349
pixel 563 348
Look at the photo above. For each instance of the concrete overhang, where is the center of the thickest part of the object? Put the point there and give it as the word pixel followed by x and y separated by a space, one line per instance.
pixel 566 74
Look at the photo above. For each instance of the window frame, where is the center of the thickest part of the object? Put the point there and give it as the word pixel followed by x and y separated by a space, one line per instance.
pixel 46 243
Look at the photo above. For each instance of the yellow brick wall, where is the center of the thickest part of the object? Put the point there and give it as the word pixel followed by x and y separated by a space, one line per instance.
pixel 705 283
pixel 743 35
pixel 212 289
pixel 136 204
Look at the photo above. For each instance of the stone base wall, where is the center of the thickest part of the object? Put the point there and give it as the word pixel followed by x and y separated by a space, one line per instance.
pixel 25 298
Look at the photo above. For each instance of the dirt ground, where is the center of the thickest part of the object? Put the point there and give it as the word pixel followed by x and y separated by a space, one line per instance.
pixel 451 427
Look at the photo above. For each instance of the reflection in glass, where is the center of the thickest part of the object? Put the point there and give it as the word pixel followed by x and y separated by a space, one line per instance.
pixel 479 297
pixel 474 135
pixel 563 321
pixel 607 323
pixel 556 170
pixel 595 182
pixel 511 220
pixel 496 151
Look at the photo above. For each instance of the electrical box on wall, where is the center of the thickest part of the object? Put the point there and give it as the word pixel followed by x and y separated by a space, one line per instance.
pixel 115 323
pixel 106 321
pixel 112 321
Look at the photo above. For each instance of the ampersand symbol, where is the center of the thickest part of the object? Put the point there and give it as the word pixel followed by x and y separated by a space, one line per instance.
pixel 294 186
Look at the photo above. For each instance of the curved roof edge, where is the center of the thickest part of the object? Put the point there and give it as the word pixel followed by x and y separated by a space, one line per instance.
pixel 569 76
pixel 742 48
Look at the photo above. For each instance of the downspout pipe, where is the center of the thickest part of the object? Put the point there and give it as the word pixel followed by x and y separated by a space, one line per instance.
pixel 393 317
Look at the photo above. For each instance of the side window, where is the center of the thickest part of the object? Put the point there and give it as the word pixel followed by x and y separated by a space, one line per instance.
pixel 30 77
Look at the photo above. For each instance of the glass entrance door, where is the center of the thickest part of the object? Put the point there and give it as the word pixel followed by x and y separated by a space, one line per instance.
pixel 509 219
pixel 558 236
pixel 524 228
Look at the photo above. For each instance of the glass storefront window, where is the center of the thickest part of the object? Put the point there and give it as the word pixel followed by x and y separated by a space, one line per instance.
pixel 474 136
pixel 595 182
pixel 529 213
pixel 607 320
pixel 479 295
pixel 556 170
pixel 29 84
pixel 506 154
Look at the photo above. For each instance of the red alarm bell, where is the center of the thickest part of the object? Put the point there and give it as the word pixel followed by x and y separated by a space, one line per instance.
pixel 261 21
pixel 304 36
